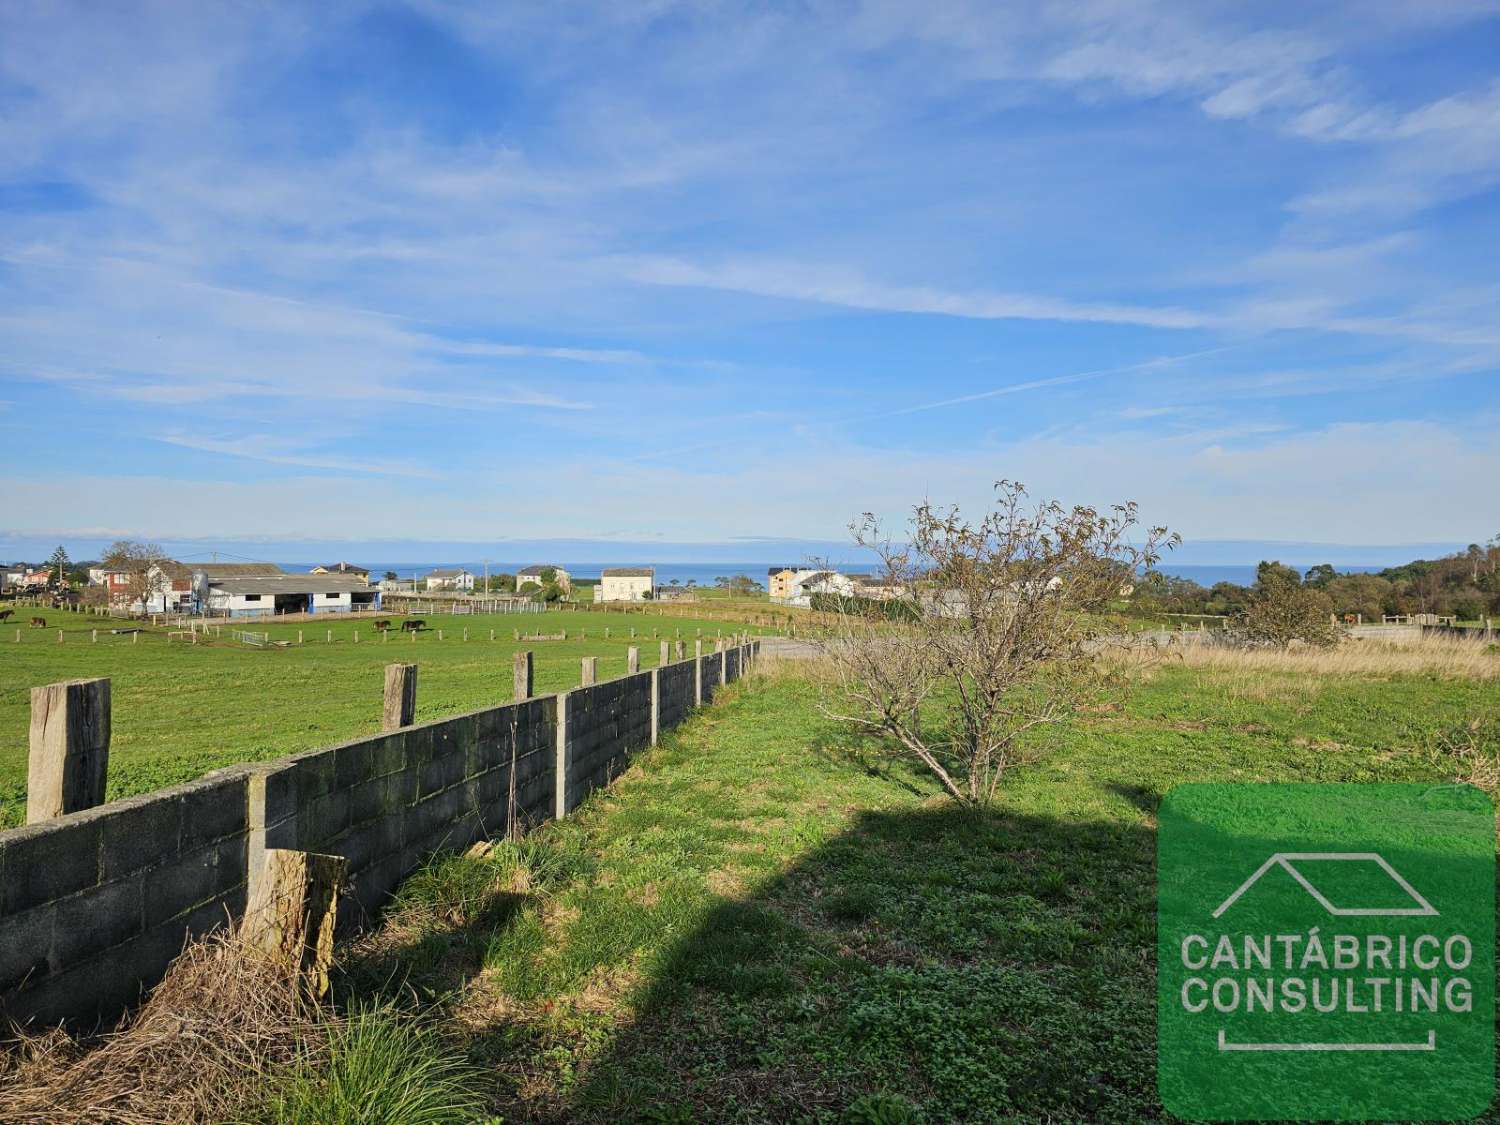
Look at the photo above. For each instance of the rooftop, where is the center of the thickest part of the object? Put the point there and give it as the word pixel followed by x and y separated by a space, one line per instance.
pixel 292 584
pixel 628 572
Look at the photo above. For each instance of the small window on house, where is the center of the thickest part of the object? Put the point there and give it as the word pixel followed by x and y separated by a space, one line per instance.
pixel 252 597
pixel 334 595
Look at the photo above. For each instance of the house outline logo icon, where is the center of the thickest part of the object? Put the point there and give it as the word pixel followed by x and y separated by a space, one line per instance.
pixel 1286 861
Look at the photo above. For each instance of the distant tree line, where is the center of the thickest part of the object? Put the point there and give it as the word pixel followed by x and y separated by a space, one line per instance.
pixel 1465 585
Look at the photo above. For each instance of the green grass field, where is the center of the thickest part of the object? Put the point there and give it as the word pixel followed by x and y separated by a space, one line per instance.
pixel 180 709
pixel 763 920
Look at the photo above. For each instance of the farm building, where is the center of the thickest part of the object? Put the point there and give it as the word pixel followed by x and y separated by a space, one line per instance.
pixel 676 594
pixel 625 584
pixel 532 575
pixel 263 595
pixel 345 568
pixel 178 587
pixel 450 578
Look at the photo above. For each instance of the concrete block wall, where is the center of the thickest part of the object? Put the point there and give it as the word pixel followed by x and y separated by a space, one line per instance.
pixel 676 693
pixel 387 803
pixel 94 905
pixel 606 723
pixel 709 669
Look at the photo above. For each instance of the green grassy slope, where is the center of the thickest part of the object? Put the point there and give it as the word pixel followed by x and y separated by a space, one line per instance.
pixel 763 921
pixel 180 709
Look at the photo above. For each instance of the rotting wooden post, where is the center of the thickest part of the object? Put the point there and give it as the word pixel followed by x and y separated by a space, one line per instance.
pixel 697 681
pixel 291 912
pixel 69 756
pixel 632 660
pixel 299 636
pixel 681 650
pixel 521 663
pixel 328 636
pixel 606 632
pixel 590 670
pixel 666 654
pixel 356 636
pixel 697 650
pixel 400 696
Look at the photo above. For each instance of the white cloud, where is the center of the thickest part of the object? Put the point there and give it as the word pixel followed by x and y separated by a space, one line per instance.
pixel 846 288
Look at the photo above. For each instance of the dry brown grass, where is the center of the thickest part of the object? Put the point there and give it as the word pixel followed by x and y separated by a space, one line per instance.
pixel 1448 658
pixel 199 1050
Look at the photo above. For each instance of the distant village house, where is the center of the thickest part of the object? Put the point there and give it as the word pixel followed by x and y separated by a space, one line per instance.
pixel 345 568
pixel 625 584
pixel 447 578
pixel 532 576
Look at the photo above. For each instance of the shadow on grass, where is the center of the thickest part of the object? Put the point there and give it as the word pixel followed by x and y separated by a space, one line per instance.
pixel 980 966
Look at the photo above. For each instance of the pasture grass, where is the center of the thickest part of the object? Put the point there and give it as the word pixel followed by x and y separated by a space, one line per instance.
pixel 181 709
pixel 765 919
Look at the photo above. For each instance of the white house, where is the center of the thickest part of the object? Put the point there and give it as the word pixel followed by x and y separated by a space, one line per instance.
pixel 449 578
pixel 625 584
pixel 781 581
pixel 820 582
pixel 532 576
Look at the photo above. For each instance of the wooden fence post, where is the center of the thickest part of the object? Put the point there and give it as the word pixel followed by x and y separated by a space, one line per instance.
pixel 400 696
pixel 632 660
pixel 666 654
pixel 590 670
pixel 522 672
pixel 291 912
pixel 697 649
pixel 69 756
pixel 681 650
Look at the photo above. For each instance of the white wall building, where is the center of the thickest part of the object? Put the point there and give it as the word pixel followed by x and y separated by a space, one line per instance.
pixel 625 584
pixel 532 576
pixel 449 578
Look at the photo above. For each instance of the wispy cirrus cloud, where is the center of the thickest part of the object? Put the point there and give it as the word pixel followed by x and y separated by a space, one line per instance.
pixel 274 450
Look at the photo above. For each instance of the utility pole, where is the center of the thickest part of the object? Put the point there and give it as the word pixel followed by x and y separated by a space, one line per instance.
pixel 486 577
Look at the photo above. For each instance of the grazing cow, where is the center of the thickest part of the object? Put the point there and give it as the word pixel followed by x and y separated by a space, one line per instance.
pixel 38 622
pixel 413 625
pixel 6 614
pixel 381 625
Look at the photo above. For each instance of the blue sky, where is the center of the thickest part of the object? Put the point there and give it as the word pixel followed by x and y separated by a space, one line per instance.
pixel 704 271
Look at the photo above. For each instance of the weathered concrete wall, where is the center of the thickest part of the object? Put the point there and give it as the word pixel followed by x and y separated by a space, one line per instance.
pixel 711 668
pixel 389 802
pixel 95 904
pixel 675 694
pixel 606 723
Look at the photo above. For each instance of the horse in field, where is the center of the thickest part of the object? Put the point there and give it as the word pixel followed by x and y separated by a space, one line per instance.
pixel 38 622
pixel 6 614
pixel 413 625
pixel 382 625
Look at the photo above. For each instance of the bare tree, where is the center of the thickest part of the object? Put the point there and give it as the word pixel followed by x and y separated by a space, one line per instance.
pixel 989 633
pixel 143 566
